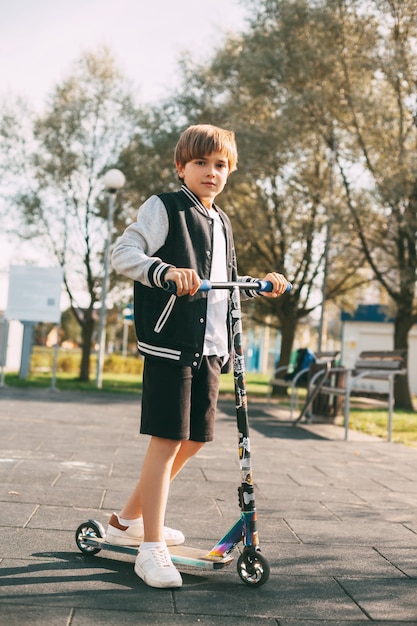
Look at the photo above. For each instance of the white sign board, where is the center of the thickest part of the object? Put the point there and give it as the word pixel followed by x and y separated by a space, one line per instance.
pixel 34 294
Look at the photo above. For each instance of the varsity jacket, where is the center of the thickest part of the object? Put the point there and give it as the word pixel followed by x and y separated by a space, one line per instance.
pixel 170 327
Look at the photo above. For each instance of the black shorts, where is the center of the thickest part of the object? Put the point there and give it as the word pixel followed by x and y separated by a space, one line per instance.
pixel 180 402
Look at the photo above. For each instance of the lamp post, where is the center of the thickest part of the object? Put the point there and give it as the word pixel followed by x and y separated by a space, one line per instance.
pixel 323 320
pixel 113 181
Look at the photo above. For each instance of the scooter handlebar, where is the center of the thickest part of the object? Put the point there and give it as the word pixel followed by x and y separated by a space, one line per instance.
pixel 207 285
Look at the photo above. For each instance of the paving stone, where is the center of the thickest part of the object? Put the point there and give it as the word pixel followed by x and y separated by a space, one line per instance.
pixel 385 599
pixel 337 520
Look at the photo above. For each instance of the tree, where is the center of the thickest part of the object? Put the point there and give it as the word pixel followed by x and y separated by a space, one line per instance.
pixel 88 119
pixel 343 72
pixel 381 184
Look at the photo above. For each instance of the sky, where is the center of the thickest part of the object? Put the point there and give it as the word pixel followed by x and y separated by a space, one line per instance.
pixel 40 40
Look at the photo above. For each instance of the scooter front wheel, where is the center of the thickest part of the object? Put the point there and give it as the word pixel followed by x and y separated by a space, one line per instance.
pixel 84 531
pixel 252 567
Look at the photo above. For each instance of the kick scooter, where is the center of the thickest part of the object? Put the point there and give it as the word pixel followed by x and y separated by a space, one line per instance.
pixel 252 566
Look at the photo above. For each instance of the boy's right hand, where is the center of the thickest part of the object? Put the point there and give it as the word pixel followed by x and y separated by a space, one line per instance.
pixel 186 280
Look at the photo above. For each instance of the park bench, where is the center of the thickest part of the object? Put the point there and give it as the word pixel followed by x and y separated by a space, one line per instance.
pixel 299 380
pixel 343 382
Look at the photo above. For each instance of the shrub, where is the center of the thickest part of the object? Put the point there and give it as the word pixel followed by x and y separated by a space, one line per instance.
pixel 41 360
pixel 117 364
pixel 69 362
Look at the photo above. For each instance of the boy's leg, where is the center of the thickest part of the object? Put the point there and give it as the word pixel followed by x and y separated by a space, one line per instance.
pixel 154 485
pixel 153 563
pixel 151 492
pixel 185 451
pixel 127 528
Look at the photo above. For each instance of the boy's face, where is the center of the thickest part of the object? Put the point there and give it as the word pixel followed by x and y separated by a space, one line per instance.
pixel 205 176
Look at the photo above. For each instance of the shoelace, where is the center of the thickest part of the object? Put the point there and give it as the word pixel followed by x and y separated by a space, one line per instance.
pixel 162 557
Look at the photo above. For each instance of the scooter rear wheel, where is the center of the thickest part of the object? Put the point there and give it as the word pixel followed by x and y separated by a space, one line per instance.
pixel 85 530
pixel 252 567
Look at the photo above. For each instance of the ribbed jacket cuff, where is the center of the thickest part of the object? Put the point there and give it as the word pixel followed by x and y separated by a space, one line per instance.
pixel 157 273
pixel 251 293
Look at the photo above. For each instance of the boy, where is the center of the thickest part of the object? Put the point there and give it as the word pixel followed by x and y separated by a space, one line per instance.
pixel 185 338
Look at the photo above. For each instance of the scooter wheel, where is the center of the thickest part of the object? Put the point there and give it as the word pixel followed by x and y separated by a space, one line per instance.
pixel 84 531
pixel 252 567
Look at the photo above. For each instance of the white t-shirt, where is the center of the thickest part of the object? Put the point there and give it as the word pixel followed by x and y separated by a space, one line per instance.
pixel 215 340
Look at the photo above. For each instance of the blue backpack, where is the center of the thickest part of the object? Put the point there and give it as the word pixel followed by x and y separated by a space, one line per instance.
pixel 303 360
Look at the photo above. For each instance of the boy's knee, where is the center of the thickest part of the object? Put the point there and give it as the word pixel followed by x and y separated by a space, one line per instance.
pixel 194 446
pixel 166 446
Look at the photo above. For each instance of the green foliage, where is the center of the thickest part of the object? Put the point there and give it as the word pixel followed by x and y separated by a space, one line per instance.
pixel 69 362
pixel 70 328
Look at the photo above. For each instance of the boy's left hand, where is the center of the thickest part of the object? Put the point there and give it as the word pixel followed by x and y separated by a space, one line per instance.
pixel 279 285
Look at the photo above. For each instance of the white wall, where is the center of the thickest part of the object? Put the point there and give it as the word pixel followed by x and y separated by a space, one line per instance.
pixel 360 336
pixel 14 345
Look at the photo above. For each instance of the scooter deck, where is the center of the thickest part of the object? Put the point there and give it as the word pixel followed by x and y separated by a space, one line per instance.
pixel 180 555
pixel 184 555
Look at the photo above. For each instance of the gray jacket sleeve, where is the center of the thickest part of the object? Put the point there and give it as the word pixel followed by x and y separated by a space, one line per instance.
pixel 132 252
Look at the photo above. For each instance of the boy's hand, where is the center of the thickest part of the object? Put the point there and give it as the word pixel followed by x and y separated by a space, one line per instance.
pixel 279 285
pixel 186 280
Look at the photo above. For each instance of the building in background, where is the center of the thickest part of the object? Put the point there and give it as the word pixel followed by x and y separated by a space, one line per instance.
pixel 371 327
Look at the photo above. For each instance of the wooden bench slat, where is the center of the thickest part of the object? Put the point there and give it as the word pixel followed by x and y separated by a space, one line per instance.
pixel 337 391
pixel 387 354
pixel 383 365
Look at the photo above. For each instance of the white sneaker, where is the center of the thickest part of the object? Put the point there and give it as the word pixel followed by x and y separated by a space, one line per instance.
pixel 120 535
pixel 155 568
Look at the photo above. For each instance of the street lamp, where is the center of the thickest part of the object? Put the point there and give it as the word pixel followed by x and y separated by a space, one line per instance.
pixel 323 320
pixel 113 181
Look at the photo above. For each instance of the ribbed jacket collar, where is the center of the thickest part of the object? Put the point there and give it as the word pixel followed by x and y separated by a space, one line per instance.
pixel 194 199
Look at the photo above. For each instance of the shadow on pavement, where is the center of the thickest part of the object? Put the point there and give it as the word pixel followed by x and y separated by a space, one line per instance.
pixel 268 425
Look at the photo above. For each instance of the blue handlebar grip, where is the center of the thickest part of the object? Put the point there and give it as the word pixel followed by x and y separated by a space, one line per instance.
pixel 205 285
pixel 171 287
pixel 266 285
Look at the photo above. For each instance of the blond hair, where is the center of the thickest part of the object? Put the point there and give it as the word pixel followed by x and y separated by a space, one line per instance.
pixel 203 139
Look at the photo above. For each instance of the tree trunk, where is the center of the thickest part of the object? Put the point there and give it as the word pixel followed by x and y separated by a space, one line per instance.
pixel 288 328
pixel 402 325
pixel 87 330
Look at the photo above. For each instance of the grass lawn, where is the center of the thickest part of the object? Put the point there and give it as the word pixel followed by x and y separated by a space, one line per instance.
pixel 125 383
pixel 373 421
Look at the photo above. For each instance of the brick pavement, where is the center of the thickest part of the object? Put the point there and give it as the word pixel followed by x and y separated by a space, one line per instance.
pixel 337 520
